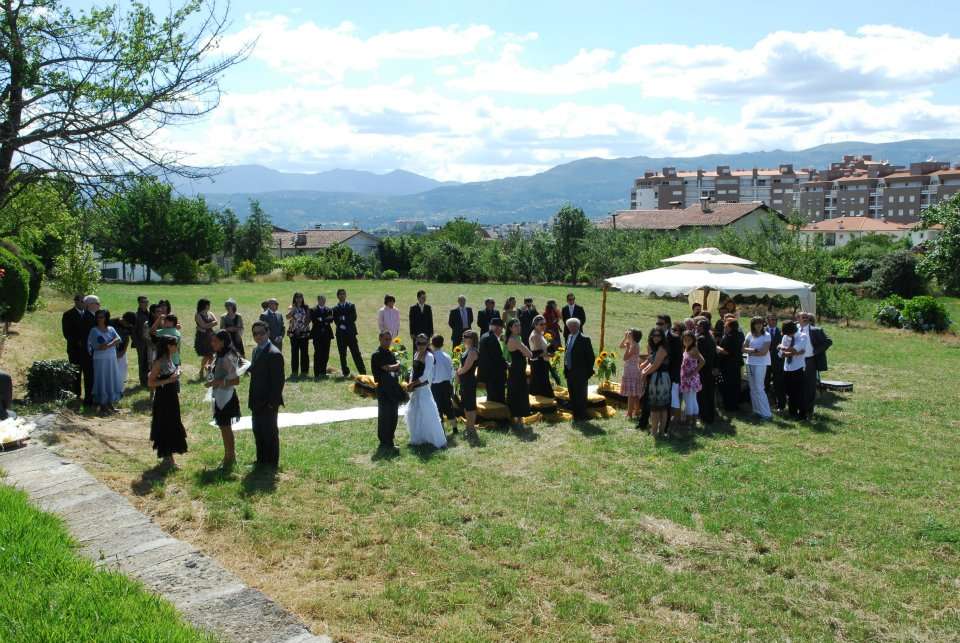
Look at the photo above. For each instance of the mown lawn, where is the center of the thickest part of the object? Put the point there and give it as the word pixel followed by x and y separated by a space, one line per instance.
pixel 843 528
pixel 48 594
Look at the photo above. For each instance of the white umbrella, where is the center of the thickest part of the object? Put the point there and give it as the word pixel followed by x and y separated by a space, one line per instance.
pixel 708 255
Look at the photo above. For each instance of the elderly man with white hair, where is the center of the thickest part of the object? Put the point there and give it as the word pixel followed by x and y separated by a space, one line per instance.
pixel 578 362
pixel 75 325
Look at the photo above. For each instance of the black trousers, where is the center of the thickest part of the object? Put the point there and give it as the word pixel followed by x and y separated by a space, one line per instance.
pixel 84 364
pixel 143 362
pixel 344 342
pixel 793 384
pixel 810 380
pixel 707 398
pixel 387 415
pixel 267 437
pixel 730 388
pixel 443 396
pixel 497 389
pixel 321 355
pixel 577 387
pixel 299 356
pixel 774 382
pixel 6 394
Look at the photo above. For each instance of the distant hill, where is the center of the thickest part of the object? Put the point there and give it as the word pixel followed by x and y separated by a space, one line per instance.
pixel 596 185
pixel 256 179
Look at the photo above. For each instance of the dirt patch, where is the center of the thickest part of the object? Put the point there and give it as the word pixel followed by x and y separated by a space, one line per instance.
pixel 679 536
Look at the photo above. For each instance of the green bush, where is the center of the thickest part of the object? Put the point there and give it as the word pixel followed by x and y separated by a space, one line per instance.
pixel 838 302
pixel 34 267
pixel 14 287
pixel 924 314
pixel 75 270
pixel 862 270
pixel 246 270
pixel 211 272
pixel 896 274
pixel 183 268
pixel 50 381
pixel 888 313
pixel 389 274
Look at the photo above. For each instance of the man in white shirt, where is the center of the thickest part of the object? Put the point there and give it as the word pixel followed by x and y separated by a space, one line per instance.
pixel 442 384
pixel 794 347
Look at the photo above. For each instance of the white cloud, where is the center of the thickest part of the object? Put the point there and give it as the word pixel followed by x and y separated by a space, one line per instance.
pixel 815 65
pixel 309 52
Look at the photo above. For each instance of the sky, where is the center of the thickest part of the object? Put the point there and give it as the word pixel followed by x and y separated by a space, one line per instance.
pixel 475 91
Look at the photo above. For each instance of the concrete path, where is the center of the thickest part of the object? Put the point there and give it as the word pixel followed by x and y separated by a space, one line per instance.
pixel 116 536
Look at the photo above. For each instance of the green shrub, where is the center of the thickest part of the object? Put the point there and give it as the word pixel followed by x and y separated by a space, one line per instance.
pixel 246 270
pixel 888 312
pixel 896 274
pixel 50 381
pixel 838 302
pixel 315 269
pixel 389 274
pixel 211 272
pixel 183 268
pixel 924 314
pixel 14 287
pixel 862 270
pixel 34 267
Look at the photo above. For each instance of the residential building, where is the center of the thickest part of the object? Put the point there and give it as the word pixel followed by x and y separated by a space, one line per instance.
pixel 842 230
pixel 287 243
pixel 706 217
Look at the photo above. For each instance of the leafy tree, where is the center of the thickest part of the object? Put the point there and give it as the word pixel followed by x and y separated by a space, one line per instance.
pixel 82 93
pixel 446 262
pixel 570 227
pixel 254 240
pixel 75 270
pixel 38 218
pixel 897 275
pixel 145 225
pixel 942 259
pixel 460 232
pixel 397 253
pixel 231 225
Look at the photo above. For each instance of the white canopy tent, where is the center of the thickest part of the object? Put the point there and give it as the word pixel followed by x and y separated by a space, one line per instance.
pixel 706 273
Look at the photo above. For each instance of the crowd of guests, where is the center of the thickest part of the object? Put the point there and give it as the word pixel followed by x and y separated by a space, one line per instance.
pixel 672 381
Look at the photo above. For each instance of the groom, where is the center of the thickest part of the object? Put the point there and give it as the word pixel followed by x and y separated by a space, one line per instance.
pixel 385 368
pixel 266 395
pixel 578 367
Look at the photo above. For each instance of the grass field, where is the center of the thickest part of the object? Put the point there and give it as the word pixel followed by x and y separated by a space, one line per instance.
pixel 49 594
pixel 844 528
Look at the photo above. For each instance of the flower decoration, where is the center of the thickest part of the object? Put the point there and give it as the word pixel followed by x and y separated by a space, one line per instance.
pixel 548 337
pixel 606 366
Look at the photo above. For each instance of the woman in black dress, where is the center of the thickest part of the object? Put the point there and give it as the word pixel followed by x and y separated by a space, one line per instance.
pixel 541 350
pixel 467 376
pixel 166 429
pixel 518 396
pixel 730 363
pixel 206 322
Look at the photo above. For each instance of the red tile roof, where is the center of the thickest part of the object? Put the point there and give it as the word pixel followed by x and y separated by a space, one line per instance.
pixel 312 239
pixel 721 214
pixel 862 224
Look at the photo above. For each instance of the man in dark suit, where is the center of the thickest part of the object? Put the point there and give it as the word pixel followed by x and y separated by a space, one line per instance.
pixel 321 316
pixel 421 317
pixel 775 372
pixel 460 319
pixel 572 311
pixel 266 395
pixel 707 397
pixel 76 324
pixel 484 316
pixel 140 338
pixel 816 359
pixel 578 363
pixel 492 367
pixel 345 317
pixel 385 369
pixel 526 315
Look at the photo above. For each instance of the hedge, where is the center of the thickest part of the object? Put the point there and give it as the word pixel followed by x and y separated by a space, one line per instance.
pixel 14 287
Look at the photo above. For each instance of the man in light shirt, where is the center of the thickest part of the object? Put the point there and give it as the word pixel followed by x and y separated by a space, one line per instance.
pixel 442 384
pixel 793 347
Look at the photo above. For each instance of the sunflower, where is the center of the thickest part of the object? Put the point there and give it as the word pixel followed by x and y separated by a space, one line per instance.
pixel 598 361
pixel 396 340
pixel 561 349
pixel 548 337
pixel 603 354
pixel 458 349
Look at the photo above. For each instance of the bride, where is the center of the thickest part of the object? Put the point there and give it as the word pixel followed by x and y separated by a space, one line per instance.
pixel 423 418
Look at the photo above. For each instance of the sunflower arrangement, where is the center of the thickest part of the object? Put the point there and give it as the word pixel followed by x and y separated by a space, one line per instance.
pixel 606 365
pixel 403 358
pixel 457 359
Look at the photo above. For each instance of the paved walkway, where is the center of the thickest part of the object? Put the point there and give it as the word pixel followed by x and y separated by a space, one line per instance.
pixel 116 536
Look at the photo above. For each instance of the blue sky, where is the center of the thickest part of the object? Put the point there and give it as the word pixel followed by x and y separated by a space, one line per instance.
pixel 474 91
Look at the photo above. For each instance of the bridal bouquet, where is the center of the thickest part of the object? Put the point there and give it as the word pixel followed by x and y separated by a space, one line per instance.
pixel 403 358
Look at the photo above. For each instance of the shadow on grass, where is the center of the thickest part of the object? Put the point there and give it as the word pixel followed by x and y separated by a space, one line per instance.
pixel 424 451
pixel 588 428
pixel 260 479
pixel 150 479
pixel 218 475
pixel 143 405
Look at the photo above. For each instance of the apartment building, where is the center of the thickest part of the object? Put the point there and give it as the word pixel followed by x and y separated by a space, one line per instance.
pixel 671 189
pixel 856 186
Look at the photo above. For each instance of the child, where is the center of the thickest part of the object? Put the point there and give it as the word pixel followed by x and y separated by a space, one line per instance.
pixel 690 383
pixel 442 384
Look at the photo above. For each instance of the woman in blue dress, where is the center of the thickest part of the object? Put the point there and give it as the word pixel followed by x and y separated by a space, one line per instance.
pixel 102 343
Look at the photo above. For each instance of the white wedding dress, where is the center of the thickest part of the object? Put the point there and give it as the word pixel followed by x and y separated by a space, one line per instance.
pixel 423 418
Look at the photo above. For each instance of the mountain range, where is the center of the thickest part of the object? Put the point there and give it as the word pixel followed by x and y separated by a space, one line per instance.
pixel 594 184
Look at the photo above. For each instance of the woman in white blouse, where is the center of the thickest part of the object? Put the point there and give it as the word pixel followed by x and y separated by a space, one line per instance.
pixel 757 348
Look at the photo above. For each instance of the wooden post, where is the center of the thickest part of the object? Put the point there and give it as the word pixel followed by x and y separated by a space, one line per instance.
pixel 706 293
pixel 603 316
